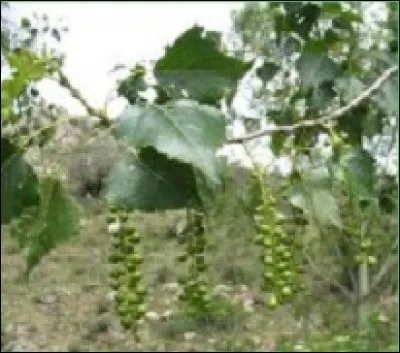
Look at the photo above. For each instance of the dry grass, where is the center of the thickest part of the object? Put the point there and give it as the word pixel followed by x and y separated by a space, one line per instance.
pixel 66 305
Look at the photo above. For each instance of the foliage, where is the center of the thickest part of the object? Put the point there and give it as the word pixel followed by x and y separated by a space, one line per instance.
pixel 310 70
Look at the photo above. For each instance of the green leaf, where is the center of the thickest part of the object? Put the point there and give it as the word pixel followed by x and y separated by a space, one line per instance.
pixel 151 182
pixel 27 64
pixel 195 64
pixel 389 97
pixel 267 71
pixel 322 96
pixel 349 87
pixel 132 85
pixel 19 183
pixel 292 6
pixel 56 219
pixel 316 69
pixel 25 22
pixel 318 204
pixel 352 123
pixel 277 142
pixel 358 170
pixel 182 130
pixel 7 149
pixel 331 7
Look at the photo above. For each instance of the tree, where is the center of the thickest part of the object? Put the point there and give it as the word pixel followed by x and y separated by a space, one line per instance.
pixel 314 80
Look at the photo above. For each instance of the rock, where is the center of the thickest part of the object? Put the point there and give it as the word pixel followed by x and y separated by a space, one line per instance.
pixel 222 289
pixel 188 336
pixel 152 315
pixel 20 345
pixel 172 286
pixel 110 296
pixel 248 305
pixel 47 299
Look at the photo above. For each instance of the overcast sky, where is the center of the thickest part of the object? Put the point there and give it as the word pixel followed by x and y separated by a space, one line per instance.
pixel 102 34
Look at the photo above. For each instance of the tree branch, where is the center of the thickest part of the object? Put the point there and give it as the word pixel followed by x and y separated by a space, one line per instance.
pixel 325 119
pixel 328 280
pixel 64 82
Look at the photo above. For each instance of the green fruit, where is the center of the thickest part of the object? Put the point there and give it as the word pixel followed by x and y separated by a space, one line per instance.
pixel 202 289
pixel 133 238
pixel 287 274
pixel 259 239
pixel 281 248
pixel 207 298
pixel 141 290
pixel 111 219
pixel 279 218
pixel 366 244
pixel 286 291
pixel 361 258
pixel 267 242
pixel 181 258
pixel 201 267
pixel 122 310
pixel 280 283
pixel 141 309
pixel 372 260
pixel 131 298
pixel 135 259
pixel 133 278
pixel 268 259
pixel 287 255
pixel 126 322
pixel 129 231
pixel 267 229
pixel 200 259
pixel 115 257
pixel 272 301
pixel 269 276
pixel 117 272
pixel 282 265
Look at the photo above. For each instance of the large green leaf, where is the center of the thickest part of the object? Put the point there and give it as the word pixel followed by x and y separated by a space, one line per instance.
pixel 151 182
pixel 19 183
pixel 316 69
pixel 195 64
pixel 358 170
pixel 313 195
pixel 389 97
pixel 54 220
pixel 267 71
pixel 182 130
pixel 318 204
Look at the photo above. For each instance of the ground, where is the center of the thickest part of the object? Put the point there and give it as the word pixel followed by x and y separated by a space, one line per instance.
pixel 67 305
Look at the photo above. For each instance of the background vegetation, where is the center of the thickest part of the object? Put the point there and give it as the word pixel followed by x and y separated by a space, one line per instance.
pixel 322 80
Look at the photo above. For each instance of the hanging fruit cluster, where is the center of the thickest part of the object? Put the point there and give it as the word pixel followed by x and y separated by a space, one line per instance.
pixel 365 254
pixel 196 293
pixel 280 251
pixel 125 276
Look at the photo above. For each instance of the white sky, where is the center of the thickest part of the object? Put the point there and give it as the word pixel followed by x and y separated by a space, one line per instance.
pixel 103 34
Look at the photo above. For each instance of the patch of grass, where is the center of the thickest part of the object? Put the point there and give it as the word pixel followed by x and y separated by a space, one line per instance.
pixel 223 317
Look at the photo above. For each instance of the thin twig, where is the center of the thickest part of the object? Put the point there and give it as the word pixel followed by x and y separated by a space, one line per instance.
pixel 327 279
pixel 64 82
pixel 325 119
